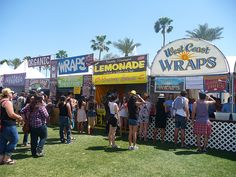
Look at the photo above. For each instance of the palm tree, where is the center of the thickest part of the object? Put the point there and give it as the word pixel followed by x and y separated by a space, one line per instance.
pixel 110 56
pixel 61 54
pixel 206 33
pixel 163 25
pixel 5 60
pixel 15 62
pixel 26 58
pixel 126 46
pixel 100 44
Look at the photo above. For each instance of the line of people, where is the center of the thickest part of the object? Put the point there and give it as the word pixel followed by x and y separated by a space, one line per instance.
pixel 133 110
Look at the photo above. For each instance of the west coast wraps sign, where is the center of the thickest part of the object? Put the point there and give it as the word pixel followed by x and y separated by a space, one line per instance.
pixel 72 65
pixel 126 70
pixel 189 57
pixel 169 84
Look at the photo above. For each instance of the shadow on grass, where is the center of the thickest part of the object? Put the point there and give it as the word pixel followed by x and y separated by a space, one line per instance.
pixel 190 152
pixel 52 141
pixel 222 154
pixel 22 153
pixel 106 149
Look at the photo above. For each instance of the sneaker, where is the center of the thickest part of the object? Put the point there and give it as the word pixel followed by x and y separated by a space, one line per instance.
pixel 130 148
pixel 39 154
pixel 135 148
pixel 115 146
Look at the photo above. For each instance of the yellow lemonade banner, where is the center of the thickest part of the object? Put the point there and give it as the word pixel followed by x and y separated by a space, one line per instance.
pixel 77 90
pixel 121 78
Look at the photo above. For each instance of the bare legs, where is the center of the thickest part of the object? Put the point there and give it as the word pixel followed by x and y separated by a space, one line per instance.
pixel 133 134
pixel 143 131
pixel 182 136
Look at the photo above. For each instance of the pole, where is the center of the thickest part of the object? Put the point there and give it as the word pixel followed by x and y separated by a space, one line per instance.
pixel 232 95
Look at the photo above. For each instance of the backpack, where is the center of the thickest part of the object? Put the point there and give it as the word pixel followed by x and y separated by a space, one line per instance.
pixel 179 103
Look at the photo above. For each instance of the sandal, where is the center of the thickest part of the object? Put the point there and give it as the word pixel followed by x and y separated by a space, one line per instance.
pixel 9 162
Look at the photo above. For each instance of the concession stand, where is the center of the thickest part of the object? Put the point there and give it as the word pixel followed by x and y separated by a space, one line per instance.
pixel 73 74
pixel 193 64
pixel 120 74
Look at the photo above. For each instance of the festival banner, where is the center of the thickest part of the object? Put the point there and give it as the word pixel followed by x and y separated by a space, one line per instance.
pixel 39 61
pixel 216 83
pixel 14 80
pixel 70 81
pixel 121 78
pixel 77 90
pixel 53 73
pixel 169 84
pixel 39 83
pixel 194 82
pixel 189 57
pixel 53 88
pixel 127 70
pixel 87 81
pixel 121 65
pixel 73 65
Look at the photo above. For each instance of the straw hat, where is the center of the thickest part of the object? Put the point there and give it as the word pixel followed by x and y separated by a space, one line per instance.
pixel 133 92
pixel 6 91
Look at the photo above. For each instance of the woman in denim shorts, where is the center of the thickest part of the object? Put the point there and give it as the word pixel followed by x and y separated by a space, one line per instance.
pixel 133 105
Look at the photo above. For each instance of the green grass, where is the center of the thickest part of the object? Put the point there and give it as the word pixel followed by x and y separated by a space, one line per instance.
pixel 89 156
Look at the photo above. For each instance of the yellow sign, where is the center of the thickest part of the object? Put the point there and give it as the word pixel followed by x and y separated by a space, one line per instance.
pixel 77 90
pixel 121 78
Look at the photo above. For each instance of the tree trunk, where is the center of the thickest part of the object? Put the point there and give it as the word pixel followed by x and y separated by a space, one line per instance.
pixel 164 39
pixel 100 52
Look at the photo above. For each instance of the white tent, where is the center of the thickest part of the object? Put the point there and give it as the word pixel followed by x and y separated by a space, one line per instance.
pixel 231 60
pixel 5 69
pixel 31 73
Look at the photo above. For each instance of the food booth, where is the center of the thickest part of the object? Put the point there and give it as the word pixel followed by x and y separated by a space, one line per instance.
pixel 193 64
pixel 120 75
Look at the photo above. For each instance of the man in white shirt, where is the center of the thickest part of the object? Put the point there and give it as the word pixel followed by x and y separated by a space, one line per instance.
pixel 181 107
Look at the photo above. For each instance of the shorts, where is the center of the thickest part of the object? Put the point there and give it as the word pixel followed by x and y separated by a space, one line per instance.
pixel 180 122
pixel 143 119
pixel 202 128
pixel 133 122
pixel 91 114
pixel 112 121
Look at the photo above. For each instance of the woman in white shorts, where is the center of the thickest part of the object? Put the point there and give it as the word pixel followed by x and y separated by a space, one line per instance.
pixel 123 112
pixel 81 115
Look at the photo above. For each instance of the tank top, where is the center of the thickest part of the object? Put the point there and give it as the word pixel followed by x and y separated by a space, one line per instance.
pixel 63 110
pixel 6 120
pixel 202 112
pixel 132 108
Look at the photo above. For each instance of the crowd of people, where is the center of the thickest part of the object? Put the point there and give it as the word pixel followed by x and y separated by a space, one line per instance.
pixel 134 112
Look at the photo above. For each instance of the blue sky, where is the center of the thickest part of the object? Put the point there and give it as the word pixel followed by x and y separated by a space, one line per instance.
pixel 42 27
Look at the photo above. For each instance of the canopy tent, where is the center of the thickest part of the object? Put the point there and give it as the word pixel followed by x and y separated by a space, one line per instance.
pixel 31 73
pixel 5 69
pixel 231 60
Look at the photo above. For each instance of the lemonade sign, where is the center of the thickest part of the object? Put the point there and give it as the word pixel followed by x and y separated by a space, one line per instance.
pixel 187 57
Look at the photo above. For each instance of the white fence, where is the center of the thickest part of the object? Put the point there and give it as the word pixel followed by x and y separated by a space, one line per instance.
pixel 223 134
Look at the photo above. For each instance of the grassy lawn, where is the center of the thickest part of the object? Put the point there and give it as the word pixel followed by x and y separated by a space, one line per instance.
pixel 90 156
